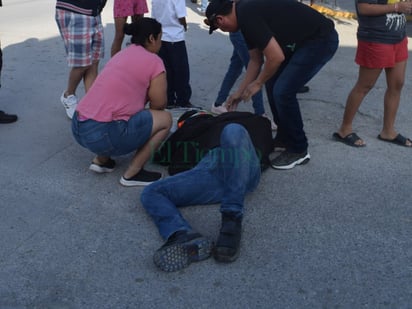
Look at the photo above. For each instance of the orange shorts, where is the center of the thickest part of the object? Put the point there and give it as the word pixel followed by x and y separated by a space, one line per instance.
pixel 380 56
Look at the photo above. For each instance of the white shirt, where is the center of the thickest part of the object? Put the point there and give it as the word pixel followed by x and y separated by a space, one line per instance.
pixel 168 12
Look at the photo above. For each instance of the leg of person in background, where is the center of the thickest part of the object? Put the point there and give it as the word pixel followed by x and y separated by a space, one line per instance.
pixel 165 53
pixel 366 80
pixel 203 6
pixel 242 55
pixel 232 74
pixel 122 9
pixel 299 70
pixel 181 74
pixel 4 117
pixel 83 38
pixel 395 78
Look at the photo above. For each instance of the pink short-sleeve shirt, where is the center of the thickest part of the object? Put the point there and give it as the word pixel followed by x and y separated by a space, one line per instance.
pixel 120 90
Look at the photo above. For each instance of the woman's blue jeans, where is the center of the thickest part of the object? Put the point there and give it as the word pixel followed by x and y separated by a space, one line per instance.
pixel 223 176
pixel 282 88
pixel 238 61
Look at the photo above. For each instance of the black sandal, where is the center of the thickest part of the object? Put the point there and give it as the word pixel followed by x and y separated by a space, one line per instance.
pixel 228 242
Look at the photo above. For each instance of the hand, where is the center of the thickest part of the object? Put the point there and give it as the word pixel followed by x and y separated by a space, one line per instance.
pixel 253 88
pixel 404 7
pixel 233 101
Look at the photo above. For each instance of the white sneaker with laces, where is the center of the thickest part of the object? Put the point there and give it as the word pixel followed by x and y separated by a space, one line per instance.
pixel 69 104
pixel 218 109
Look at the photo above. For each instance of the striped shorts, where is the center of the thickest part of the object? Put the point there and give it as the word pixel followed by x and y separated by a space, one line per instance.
pixel 83 37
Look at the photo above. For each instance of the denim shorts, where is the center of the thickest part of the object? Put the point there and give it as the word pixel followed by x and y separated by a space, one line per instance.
pixel 113 138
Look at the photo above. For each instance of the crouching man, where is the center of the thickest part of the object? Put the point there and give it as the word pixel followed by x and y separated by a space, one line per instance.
pixel 224 175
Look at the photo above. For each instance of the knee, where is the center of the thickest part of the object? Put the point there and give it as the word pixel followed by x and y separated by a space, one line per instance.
pixel 281 97
pixel 168 120
pixel 145 197
pixel 162 120
pixel 233 134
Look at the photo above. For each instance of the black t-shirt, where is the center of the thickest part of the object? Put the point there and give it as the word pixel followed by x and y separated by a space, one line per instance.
pixel 387 28
pixel 291 23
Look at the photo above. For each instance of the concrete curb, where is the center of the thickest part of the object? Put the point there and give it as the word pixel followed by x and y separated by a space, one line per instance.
pixel 338 13
pixel 334 12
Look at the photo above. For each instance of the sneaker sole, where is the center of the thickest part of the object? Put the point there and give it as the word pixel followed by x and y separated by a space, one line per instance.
pixel 301 161
pixel 135 183
pixel 179 256
pixel 100 170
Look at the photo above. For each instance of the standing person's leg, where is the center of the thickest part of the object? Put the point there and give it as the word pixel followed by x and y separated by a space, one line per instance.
pixel 232 74
pixel 122 9
pixel 119 23
pixel 165 53
pixel 83 38
pixel 5 118
pixel 302 66
pixel 395 77
pixel 366 80
pixel 181 73
pixel 95 52
pixel 203 6
pixel 242 51
pixel 67 22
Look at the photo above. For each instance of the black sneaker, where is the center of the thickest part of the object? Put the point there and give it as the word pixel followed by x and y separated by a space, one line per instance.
pixel 228 242
pixel 180 250
pixel 287 160
pixel 142 178
pixel 107 167
pixel 7 118
pixel 278 146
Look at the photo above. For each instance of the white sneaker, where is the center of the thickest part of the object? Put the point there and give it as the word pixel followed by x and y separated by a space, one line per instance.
pixel 218 109
pixel 273 125
pixel 69 104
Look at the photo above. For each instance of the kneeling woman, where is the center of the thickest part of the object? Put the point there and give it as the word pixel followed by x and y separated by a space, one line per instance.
pixel 112 120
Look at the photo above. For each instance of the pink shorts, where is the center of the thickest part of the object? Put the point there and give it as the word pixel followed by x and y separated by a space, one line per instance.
pixel 380 56
pixel 125 8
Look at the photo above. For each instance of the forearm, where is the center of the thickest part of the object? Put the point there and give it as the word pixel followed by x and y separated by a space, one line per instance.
pixel 251 74
pixel 269 69
pixel 382 9
pixel 183 22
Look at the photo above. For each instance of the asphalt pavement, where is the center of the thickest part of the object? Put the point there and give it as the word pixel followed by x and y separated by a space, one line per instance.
pixel 334 233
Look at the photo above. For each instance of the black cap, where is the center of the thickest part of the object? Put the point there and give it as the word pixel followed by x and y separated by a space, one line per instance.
pixel 216 7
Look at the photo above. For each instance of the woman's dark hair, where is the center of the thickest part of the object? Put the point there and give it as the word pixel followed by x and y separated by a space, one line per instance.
pixel 141 29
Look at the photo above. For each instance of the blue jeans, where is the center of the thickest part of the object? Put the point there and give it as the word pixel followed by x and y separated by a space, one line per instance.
pixel 204 4
pixel 224 175
pixel 238 61
pixel 175 59
pixel 282 88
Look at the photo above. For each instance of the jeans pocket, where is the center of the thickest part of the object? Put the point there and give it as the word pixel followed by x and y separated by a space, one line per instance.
pixel 98 143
